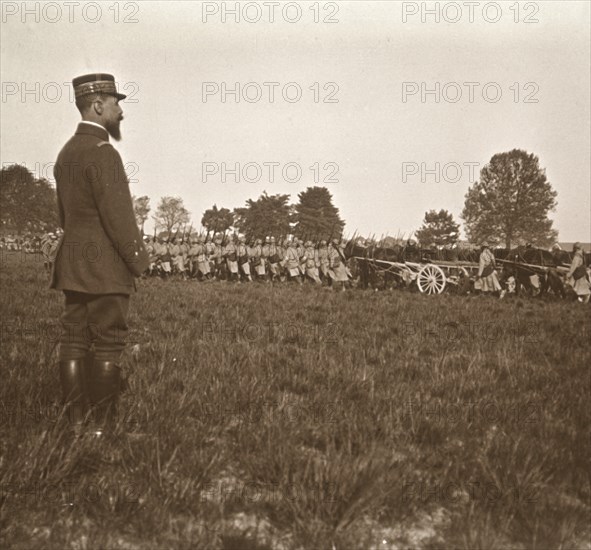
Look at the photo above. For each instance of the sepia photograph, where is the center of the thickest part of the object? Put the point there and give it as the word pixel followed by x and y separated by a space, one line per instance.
pixel 295 275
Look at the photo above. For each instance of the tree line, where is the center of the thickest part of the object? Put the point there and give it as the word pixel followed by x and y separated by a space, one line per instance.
pixel 508 205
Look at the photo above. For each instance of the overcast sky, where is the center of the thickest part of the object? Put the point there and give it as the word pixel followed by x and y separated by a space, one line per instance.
pixel 353 113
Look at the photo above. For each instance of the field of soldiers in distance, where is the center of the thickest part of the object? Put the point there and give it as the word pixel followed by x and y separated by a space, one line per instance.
pixel 288 417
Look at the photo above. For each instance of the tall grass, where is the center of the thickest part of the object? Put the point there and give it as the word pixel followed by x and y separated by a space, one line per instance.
pixel 262 416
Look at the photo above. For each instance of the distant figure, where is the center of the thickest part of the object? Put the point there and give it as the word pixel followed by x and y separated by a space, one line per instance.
pixel 577 275
pixel 338 268
pixel 487 272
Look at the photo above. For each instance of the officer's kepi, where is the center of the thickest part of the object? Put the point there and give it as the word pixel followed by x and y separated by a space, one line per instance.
pixel 96 83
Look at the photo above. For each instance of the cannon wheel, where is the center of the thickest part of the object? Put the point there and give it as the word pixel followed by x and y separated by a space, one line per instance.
pixel 431 279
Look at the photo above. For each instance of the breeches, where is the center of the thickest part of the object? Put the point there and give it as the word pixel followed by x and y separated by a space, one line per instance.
pixel 99 319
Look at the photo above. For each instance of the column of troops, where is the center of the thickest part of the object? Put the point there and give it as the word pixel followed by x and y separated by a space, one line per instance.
pixel 232 258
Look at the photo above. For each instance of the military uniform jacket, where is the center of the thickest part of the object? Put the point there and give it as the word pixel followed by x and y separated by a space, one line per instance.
pixel 101 250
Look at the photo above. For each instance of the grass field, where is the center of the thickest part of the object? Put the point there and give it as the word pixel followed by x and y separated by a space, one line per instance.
pixel 284 417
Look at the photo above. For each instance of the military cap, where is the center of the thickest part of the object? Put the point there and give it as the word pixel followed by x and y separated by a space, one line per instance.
pixel 96 83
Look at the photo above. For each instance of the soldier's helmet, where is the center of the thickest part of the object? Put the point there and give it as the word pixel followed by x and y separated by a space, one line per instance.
pixel 241 239
pixel 272 239
pixel 267 239
pixel 322 242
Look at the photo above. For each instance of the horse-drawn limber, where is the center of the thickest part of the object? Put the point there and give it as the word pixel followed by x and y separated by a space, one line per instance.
pixel 428 271
pixel 530 270
pixel 430 278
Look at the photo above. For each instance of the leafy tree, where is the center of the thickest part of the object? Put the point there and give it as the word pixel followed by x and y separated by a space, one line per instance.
pixel 171 214
pixel 510 202
pixel 215 219
pixel 141 209
pixel 268 215
pixel 439 228
pixel 26 203
pixel 315 216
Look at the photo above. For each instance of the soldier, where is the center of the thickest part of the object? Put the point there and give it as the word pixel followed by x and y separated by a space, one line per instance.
pixel 324 262
pixel 100 254
pixel 487 272
pixel 218 257
pixel 275 257
pixel 291 262
pixel 210 254
pixel 184 250
pixel 203 264
pixel 53 248
pixel 265 253
pixel 193 241
pixel 161 250
pixel 151 255
pixel 231 254
pixel 176 255
pixel 338 269
pixel 577 276
pixel 258 261
pixel 243 258
pixel 312 262
pixel 45 249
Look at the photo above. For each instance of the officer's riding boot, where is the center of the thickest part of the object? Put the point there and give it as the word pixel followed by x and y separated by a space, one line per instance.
pixel 73 378
pixel 104 386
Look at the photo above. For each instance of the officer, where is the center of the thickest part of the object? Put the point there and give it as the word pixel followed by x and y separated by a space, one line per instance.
pixel 100 253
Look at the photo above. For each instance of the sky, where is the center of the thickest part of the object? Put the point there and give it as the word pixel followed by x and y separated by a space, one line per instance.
pixel 392 110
